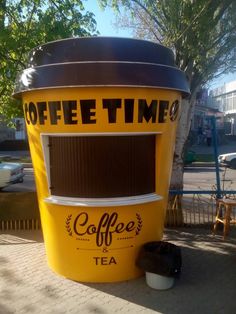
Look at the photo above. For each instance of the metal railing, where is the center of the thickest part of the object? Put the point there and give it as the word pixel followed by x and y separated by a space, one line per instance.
pixel 194 207
pixel 20 224
pixel 198 207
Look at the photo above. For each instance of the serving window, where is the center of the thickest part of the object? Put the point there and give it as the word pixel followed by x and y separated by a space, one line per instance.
pixel 101 166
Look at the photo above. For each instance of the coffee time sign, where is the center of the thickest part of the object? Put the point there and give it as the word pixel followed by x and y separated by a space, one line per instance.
pixel 109 112
pixel 84 111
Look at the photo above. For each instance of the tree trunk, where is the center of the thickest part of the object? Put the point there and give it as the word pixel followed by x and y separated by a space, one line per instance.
pixel 174 211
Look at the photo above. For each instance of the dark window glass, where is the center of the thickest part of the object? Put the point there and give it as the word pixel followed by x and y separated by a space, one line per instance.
pixel 102 166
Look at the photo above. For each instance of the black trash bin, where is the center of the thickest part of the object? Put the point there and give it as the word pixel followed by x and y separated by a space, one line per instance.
pixel 162 263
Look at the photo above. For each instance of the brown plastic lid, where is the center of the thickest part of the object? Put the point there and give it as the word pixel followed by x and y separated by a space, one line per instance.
pixel 101 61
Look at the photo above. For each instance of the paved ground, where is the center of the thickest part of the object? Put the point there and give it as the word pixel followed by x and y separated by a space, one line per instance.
pixel 207 284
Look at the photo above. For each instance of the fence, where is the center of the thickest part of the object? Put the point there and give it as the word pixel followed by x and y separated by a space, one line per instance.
pixel 21 224
pixel 194 208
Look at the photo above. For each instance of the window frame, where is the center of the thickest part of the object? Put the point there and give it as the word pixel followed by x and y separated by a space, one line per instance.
pixel 93 202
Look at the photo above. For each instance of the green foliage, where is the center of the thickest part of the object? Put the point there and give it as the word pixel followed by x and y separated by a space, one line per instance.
pixel 202 33
pixel 25 24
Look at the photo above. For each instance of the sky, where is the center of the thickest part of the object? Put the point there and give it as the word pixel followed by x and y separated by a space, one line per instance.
pixel 105 19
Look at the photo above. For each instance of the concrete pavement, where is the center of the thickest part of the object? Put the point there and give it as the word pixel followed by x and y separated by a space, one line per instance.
pixel 207 284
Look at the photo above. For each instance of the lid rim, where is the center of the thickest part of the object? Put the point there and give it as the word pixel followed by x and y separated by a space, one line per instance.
pixel 18 95
pixel 102 74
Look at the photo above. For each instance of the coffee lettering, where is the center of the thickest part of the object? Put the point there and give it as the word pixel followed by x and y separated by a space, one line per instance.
pixel 129 110
pixel 130 226
pixel 112 105
pixel 163 107
pixel 69 115
pixel 42 107
pixel 104 230
pixel 26 111
pixel 104 235
pixel 82 222
pixel 86 106
pixel 120 227
pixel 91 229
pixel 147 112
pixel 33 113
pixel 132 111
pixel 54 106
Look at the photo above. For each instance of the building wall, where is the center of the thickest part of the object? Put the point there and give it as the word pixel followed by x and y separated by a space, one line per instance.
pixel 224 98
pixel 6 133
pixel 18 133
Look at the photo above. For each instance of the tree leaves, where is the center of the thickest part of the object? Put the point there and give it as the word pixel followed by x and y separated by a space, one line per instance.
pixel 25 24
pixel 202 33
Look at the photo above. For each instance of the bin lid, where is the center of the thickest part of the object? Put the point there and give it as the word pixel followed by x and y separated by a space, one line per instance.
pixel 101 61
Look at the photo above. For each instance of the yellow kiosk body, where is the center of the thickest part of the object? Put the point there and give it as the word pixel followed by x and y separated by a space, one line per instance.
pixel 101 116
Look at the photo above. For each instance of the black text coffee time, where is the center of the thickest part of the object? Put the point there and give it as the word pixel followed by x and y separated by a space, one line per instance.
pixel 84 111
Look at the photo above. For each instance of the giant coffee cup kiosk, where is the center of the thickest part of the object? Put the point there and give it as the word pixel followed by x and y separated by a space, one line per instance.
pixel 101 116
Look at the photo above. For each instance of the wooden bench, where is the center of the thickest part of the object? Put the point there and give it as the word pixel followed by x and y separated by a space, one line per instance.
pixel 223 214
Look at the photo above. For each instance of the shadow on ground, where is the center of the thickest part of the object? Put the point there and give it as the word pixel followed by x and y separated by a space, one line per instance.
pixel 207 283
pixel 12 237
pixel 206 286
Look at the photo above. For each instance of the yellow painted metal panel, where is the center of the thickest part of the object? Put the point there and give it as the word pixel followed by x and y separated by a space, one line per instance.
pixel 100 244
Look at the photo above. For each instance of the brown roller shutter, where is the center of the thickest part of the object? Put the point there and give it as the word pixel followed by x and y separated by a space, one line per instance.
pixel 102 166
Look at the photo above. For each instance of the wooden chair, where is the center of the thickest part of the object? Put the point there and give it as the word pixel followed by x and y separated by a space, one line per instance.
pixel 223 214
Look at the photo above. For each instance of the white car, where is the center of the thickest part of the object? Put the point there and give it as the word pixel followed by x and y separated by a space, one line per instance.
pixel 10 173
pixel 228 160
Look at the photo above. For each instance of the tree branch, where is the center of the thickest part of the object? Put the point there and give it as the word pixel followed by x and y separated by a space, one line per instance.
pixel 148 13
pixel 58 8
pixel 149 26
pixel 9 58
pixel 26 35
pixel 194 19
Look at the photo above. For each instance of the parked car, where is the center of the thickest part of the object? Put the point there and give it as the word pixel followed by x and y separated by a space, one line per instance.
pixel 10 173
pixel 228 160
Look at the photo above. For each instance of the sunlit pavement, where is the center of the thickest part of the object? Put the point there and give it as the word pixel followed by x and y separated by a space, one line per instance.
pixel 207 283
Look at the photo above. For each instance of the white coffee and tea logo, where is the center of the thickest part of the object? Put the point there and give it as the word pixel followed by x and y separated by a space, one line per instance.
pixel 108 228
